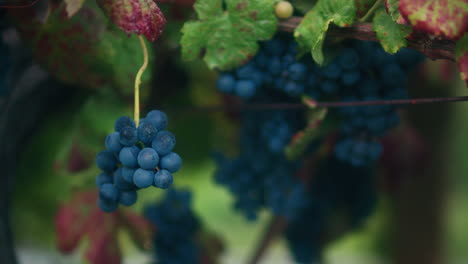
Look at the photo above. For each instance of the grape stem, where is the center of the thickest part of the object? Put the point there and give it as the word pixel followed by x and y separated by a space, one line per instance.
pixel 273 230
pixel 371 11
pixel 138 80
pixel 292 106
pixel 433 48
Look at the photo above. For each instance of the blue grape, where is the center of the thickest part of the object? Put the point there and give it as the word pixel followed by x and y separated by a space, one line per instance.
pixel 275 47
pixel 128 156
pixel 108 192
pixel 163 179
pixel 124 121
pixel 157 118
pixel 350 77
pixel 164 142
pixel 392 75
pixel 297 71
pixel 121 183
pixel 127 174
pixel 294 88
pixel 329 86
pixel 148 159
pixel 128 198
pixel 348 59
pixel 112 142
pixel 103 178
pixel 245 89
pixel 107 206
pixel 146 132
pixel 171 162
pixel 128 136
pixel 226 83
pixel 332 71
pixel 143 178
pixel 106 161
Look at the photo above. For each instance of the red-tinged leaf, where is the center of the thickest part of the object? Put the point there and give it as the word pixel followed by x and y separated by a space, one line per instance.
pixel 71 221
pixel 142 17
pixel 102 232
pixel 139 228
pixel 463 67
pixel 442 18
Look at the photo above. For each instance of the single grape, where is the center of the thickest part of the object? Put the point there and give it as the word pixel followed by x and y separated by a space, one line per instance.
pixel 163 179
pixel 128 198
pixel 121 183
pixel 245 88
pixel 297 71
pixel 350 77
pixel 146 132
pixel 108 192
pixel 171 162
pixel 127 174
pixel 164 142
pixel 103 178
pixel 331 71
pixel 348 59
pixel 124 121
pixel 157 118
pixel 112 142
pixel 128 136
pixel 128 156
pixel 148 159
pixel 107 206
pixel 225 83
pixel 284 9
pixel 143 178
pixel 106 161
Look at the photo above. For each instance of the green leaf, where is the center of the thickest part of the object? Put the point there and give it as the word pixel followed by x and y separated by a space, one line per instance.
pixel 303 138
pixel 461 46
pixel 228 38
pixel 392 35
pixel 392 9
pixel 442 18
pixel 310 34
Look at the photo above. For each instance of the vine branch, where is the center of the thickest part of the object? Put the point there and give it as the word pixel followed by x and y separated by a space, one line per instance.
pixel 432 48
pixel 295 106
pixel 273 230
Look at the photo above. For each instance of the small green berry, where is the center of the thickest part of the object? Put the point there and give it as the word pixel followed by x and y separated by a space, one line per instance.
pixel 284 9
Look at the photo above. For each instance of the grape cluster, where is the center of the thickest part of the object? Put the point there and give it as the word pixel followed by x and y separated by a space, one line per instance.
pixel 261 176
pixel 177 225
pixel 135 158
pixel 362 71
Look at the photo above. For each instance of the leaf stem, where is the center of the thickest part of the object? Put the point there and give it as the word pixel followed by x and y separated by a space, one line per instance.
pixel 138 80
pixel 371 11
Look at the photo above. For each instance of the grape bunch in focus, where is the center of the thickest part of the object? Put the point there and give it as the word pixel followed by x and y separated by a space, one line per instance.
pixel 136 158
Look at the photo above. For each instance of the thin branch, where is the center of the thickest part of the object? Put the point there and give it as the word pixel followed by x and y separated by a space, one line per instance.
pixel 296 106
pixel 273 230
pixel 432 48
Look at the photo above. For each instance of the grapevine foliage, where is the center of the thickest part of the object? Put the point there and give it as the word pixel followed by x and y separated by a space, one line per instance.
pixel 227 37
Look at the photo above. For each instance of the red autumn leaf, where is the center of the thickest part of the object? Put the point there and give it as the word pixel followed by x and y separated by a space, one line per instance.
pixel 442 18
pixel 71 221
pixel 463 67
pixel 135 16
pixel 81 217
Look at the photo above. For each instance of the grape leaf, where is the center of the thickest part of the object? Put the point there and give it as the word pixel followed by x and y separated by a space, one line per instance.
pixel 461 53
pixel 227 38
pixel 83 50
pixel 310 34
pixel 81 217
pixel 392 35
pixel 135 16
pixel 446 18
pixel 362 6
pixel 392 9
pixel 73 6
pixel 303 138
